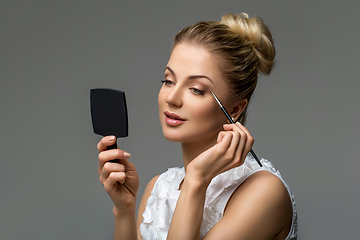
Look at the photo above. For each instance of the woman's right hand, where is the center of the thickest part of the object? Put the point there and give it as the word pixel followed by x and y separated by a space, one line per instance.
pixel 120 178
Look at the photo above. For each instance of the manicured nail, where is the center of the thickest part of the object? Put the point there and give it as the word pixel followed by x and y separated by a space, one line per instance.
pixel 126 154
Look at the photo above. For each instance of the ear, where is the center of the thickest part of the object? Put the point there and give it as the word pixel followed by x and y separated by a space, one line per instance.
pixel 238 109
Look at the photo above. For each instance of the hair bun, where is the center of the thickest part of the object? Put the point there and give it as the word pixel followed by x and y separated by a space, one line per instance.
pixel 257 33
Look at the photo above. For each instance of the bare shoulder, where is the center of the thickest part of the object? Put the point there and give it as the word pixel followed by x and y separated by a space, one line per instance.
pixel 260 202
pixel 146 195
pixel 263 186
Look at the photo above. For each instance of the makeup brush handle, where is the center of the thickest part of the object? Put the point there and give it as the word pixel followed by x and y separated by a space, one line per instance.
pixel 256 158
pixel 227 115
pixel 232 122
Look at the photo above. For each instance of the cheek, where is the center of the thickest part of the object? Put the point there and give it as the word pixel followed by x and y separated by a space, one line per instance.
pixel 204 113
pixel 161 99
pixel 208 113
pixel 161 106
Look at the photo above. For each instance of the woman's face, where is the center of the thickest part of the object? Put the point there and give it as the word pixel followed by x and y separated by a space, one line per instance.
pixel 188 112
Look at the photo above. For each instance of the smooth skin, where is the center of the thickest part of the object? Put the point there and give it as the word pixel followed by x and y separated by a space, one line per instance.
pixel 260 208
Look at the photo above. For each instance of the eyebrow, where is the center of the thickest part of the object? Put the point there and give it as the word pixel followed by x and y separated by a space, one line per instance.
pixel 192 76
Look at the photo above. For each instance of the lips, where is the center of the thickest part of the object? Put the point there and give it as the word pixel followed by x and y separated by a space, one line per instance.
pixel 173 116
pixel 172 119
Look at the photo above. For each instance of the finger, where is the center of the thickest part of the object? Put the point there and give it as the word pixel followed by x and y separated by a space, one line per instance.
pixel 235 128
pixel 249 141
pixel 233 151
pixel 221 136
pixel 106 156
pixel 242 127
pixel 113 180
pixel 224 142
pixel 117 177
pixel 109 168
pixel 247 148
pixel 238 127
pixel 240 150
pixel 237 142
pixel 245 142
pixel 231 127
pixel 105 142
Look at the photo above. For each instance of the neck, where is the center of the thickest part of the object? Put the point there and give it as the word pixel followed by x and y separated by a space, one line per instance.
pixel 191 150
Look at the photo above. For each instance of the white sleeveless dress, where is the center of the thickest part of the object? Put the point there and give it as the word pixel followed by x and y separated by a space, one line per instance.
pixel 161 204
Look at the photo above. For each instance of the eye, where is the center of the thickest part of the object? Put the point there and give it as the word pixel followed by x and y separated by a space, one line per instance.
pixel 167 82
pixel 197 91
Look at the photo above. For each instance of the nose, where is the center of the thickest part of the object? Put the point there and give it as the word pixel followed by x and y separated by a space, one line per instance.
pixel 174 97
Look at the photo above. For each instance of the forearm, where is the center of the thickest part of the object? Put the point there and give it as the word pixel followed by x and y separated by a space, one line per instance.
pixel 125 225
pixel 188 214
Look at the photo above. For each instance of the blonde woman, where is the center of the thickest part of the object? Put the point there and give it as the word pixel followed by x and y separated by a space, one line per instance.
pixel 221 192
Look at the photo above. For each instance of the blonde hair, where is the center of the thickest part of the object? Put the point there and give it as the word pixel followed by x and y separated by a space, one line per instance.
pixel 243 45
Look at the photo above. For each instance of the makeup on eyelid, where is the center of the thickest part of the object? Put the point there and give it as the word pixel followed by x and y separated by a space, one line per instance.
pixel 194 87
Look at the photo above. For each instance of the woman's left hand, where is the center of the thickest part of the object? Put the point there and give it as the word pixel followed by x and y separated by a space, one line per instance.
pixel 229 152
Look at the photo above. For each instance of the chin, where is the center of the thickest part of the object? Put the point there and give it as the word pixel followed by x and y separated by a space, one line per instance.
pixel 181 139
pixel 173 135
pixel 173 139
pixel 179 135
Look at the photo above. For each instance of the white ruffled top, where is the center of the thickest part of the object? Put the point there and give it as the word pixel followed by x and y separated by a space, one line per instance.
pixel 161 204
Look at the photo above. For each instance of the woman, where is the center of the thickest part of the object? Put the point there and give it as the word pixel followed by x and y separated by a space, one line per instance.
pixel 221 193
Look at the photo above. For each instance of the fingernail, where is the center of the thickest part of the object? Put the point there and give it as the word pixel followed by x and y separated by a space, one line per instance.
pixel 126 154
pixel 112 138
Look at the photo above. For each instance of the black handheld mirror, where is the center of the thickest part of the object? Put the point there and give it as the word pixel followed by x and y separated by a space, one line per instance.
pixel 109 113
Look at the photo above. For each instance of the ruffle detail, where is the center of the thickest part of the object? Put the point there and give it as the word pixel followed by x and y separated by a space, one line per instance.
pixel 161 204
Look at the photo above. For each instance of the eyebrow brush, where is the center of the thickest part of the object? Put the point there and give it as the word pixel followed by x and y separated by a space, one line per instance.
pixel 232 122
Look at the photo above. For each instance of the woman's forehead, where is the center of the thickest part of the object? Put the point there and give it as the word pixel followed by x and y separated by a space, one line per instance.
pixel 194 60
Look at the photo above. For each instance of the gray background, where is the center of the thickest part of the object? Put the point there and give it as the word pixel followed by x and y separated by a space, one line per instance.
pixel 304 117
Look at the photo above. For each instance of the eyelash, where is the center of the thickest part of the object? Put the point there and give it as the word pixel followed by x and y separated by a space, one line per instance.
pixel 166 82
pixel 197 91
pixel 193 90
